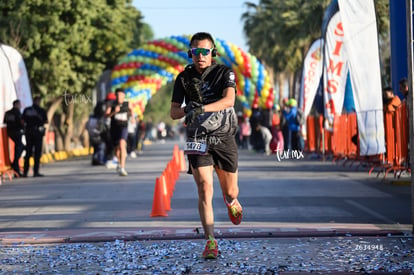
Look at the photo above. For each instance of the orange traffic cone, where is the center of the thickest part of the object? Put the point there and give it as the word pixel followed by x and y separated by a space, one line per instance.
pixel 173 168
pixel 175 154
pixel 166 193
pixel 182 165
pixel 169 180
pixel 158 208
pixel 176 149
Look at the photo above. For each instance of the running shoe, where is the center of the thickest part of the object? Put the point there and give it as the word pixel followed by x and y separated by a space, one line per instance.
pixel 235 211
pixel 123 172
pixel 211 249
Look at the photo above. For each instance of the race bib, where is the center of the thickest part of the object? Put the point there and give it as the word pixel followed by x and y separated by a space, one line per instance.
pixel 198 148
pixel 121 116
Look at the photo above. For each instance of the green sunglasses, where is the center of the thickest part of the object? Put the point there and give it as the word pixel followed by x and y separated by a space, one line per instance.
pixel 203 51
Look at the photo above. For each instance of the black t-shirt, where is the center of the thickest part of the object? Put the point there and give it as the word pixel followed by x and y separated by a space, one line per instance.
pixel 120 119
pixel 211 84
pixel 13 120
pixel 34 117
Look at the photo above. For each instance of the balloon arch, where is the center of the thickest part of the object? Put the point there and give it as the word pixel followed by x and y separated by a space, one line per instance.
pixel 143 71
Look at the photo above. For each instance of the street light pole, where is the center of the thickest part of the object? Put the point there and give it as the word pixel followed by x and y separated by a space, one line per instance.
pixel 410 99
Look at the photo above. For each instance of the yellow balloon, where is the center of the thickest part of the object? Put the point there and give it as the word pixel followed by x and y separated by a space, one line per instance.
pixel 265 93
pixel 247 112
pixel 262 102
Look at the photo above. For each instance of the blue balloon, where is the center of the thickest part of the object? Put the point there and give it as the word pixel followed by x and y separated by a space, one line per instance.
pixel 260 78
pixel 115 81
pixel 183 55
pixel 246 86
pixel 225 62
pixel 184 40
pixel 229 53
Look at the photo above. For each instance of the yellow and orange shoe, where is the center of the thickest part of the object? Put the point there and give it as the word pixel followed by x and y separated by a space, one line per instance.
pixel 235 211
pixel 211 249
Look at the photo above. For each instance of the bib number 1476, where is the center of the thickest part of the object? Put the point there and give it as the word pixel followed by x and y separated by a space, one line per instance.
pixel 195 148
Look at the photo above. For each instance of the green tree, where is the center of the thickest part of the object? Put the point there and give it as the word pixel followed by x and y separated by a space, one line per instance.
pixel 66 45
pixel 156 109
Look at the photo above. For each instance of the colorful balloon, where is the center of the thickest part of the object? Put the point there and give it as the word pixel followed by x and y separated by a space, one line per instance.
pixel 142 72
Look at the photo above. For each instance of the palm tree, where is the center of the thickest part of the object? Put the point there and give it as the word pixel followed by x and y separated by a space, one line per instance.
pixel 281 32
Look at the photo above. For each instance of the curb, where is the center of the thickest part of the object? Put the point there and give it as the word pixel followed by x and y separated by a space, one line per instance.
pixel 158 234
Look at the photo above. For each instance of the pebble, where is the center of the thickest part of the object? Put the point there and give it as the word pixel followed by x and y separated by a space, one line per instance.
pixel 237 256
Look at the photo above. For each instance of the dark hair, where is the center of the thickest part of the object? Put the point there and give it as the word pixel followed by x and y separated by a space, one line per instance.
pixel 37 98
pixel 17 101
pixel 119 90
pixel 202 36
pixel 403 82
pixel 388 88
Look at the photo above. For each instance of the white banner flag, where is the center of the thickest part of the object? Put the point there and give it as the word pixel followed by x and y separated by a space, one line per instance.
pixel 7 90
pixel 335 70
pixel 361 43
pixel 19 75
pixel 311 75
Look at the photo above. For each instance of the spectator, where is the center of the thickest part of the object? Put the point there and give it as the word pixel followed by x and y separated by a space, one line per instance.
pixel 245 132
pixel 13 120
pixel 294 137
pixel 277 143
pixel 98 132
pixel 111 160
pixel 284 124
pixel 266 137
pixel 34 118
pixel 391 101
pixel 141 136
pixel 255 137
pixel 132 137
pixel 403 86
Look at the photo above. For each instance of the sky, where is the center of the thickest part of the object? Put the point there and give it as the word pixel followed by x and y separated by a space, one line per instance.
pixel 220 18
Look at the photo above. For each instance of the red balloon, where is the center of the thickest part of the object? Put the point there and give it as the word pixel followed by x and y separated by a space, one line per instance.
pixel 269 104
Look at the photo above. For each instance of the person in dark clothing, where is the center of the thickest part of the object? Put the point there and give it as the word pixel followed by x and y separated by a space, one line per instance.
pixel 209 91
pixel 14 122
pixel 34 118
pixel 284 124
pixel 98 132
pixel 256 140
pixel 119 113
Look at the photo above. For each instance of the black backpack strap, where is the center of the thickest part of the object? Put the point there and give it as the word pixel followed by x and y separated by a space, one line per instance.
pixel 192 86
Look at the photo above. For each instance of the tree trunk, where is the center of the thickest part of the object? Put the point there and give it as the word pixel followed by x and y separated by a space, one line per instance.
pixel 58 120
pixel 50 113
pixel 83 133
pixel 291 78
pixel 281 81
pixel 69 127
pixel 296 84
